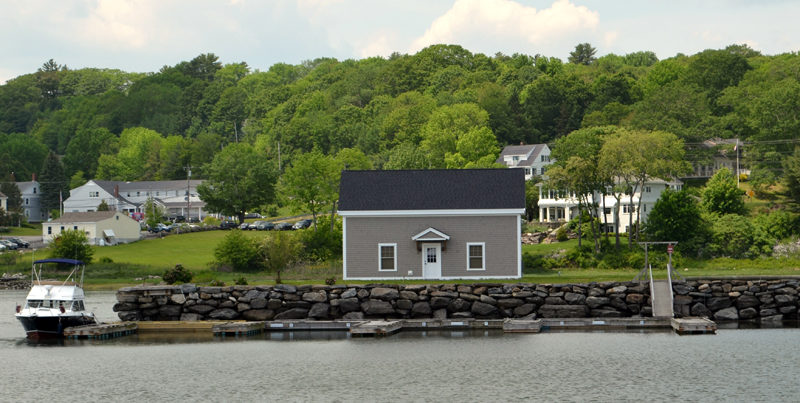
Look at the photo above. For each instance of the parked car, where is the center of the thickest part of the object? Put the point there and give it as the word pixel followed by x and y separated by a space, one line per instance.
pixel 302 224
pixel 252 215
pixel 178 218
pixel 9 245
pixel 283 226
pixel 243 226
pixel 265 226
pixel 253 225
pixel 20 242
pixel 225 224
pixel 2 248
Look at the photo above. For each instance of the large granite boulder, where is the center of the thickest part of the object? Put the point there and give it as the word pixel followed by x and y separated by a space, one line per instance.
pixel 223 314
pixel 727 314
pixel 374 307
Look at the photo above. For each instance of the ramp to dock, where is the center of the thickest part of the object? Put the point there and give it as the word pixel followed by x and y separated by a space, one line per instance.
pixel 661 298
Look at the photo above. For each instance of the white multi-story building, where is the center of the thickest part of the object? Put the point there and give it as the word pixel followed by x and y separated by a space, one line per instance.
pixel 177 197
pixel 3 202
pixel 533 158
pixel 559 206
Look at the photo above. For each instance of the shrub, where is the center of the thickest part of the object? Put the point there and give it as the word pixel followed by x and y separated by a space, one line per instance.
pixel 239 252
pixel 8 259
pixel 106 259
pixel 322 244
pixel 72 244
pixel 210 221
pixel 241 281
pixel 279 250
pixel 216 283
pixel 735 236
pixel 177 274
pixel 561 234
pixel 778 224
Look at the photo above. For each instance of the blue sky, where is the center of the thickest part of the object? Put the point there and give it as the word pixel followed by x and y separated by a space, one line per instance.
pixel 144 35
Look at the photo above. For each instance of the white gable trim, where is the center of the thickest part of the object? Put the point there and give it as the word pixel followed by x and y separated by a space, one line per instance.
pixel 405 213
pixel 441 236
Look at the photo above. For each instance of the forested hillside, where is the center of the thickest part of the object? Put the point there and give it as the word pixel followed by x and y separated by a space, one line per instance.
pixel 442 107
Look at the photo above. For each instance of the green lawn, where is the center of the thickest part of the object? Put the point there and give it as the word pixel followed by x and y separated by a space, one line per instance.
pixel 194 250
pixel 35 229
pixel 135 262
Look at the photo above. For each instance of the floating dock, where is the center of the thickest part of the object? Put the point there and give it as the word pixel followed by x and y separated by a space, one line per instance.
pixel 682 326
pixel 693 326
pixel 238 329
pixel 101 330
pixel 377 328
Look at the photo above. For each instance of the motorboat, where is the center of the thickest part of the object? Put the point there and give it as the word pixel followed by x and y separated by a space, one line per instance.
pixel 52 306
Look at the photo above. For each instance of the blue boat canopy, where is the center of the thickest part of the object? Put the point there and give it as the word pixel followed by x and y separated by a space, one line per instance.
pixel 60 260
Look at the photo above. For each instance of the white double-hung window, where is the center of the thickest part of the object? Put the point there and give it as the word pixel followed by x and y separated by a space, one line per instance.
pixel 387 257
pixel 476 256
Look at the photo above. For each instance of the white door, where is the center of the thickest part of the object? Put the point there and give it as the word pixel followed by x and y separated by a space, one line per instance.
pixel 431 260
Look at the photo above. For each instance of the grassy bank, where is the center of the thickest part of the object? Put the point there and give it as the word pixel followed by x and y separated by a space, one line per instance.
pixel 145 261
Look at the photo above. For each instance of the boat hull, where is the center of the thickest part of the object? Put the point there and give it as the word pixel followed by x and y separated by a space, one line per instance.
pixel 45 327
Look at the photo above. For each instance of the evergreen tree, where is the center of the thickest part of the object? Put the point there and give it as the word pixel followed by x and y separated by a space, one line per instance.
pixel 9 188
pixel 53 180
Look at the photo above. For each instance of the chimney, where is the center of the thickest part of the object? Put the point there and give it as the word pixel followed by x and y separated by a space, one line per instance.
pixel 116 191
pixel 33 177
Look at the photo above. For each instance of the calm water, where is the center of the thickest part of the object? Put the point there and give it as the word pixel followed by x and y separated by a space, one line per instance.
pixel 739 365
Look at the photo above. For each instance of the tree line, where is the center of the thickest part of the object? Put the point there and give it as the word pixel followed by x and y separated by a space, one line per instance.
pixel 443 107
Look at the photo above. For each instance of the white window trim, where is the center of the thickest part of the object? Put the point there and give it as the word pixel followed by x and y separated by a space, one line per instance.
pixel 483 255
pixel 380 257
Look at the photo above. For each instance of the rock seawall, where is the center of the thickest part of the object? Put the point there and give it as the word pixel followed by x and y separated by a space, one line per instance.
pixel 15 282
pixel 483 300
pixel 730 300
pixel 721 300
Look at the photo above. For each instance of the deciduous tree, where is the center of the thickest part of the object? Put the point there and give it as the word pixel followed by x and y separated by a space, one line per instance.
pixel 239 179
pixel 721 194
pixel 311 183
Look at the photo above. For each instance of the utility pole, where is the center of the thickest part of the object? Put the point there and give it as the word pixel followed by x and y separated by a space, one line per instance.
pixel 188 170
pixel 736 148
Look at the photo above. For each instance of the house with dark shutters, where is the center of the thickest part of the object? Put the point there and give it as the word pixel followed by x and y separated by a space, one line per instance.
pixel 432 224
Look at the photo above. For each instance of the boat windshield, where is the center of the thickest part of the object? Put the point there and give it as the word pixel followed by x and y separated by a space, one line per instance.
pixel 35 303
pixel 38 303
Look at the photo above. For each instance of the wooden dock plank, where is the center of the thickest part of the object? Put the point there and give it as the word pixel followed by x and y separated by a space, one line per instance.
pixel 101 330
pixel 522 326
pixel 178 326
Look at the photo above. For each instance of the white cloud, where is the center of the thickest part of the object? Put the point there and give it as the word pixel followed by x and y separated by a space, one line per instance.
pixel 507 20
pixel 120 24
pixel 377 46
pixel 610 38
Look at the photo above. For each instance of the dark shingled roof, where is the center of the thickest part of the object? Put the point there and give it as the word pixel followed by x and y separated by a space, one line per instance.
pixel 432 189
